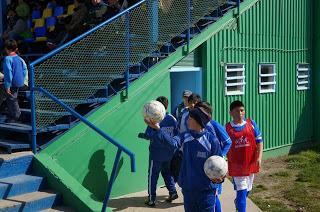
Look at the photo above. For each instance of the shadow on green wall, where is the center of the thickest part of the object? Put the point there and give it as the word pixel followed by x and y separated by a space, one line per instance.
pixel 303 138
pixel 98 176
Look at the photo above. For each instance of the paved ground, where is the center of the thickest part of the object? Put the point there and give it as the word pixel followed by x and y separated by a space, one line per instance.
pixel 135 202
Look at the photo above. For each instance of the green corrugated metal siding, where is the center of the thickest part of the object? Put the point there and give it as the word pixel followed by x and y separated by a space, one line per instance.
pixel 274 32
pixel 316 67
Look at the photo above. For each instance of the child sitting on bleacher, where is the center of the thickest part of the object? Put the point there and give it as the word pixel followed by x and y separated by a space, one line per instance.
pixel 14 74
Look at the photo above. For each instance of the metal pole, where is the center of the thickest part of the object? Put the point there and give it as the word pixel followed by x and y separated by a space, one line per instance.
pixel 111 180
pixel 33 112
pixel 189 5
pixel 127 25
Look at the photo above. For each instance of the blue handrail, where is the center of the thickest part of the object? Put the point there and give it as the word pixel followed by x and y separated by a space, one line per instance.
pixel 92 126
pixel 104 135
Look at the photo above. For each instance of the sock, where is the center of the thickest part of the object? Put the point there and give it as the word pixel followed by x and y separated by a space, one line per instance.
pixel 241 200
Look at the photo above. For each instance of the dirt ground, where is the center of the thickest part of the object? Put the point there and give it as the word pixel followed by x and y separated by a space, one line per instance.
pixel 289 183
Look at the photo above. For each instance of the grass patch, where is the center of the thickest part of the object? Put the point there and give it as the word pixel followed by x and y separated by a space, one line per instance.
pixel 259 188
pixel 280 174
pixel 271 205
pixel 290 183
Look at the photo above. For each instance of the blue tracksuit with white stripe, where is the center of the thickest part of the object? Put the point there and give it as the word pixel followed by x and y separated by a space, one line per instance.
pixel 182 122
pixel 161 153
pixel 198 190
pixel 225 141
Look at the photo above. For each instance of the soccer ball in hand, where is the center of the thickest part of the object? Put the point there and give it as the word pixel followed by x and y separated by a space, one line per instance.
pixel 215 167
pixel 154 111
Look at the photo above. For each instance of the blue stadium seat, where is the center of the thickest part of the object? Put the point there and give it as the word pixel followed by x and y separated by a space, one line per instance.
pixel 58 11
pixel 29 24
pixel 40 33
pixel 36 14
pixel 50 23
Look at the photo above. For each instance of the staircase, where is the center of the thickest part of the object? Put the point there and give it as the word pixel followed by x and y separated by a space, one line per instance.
pixel 21 191
pixel 17 136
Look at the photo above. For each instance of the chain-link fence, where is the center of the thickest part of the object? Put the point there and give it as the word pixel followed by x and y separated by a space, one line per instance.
pixel 77 72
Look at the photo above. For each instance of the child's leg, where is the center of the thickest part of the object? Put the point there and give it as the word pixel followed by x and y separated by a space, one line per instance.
pixel 206 201
pixel 168 179
pixel 242 185
pixel 3 94
pixel 13 106
pixel 241 201
pixel 218 204
pixel 154 170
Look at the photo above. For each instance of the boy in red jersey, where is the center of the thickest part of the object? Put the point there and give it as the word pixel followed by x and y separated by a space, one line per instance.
pixel 245 154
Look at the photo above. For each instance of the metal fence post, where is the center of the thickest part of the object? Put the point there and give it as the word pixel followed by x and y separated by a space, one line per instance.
pixel 33 111
pixel 127 44
pixel 111 180
pixel 189 11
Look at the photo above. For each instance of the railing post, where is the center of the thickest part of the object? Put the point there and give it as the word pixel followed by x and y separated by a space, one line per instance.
pixel 111 180
pixel 127 25
pixel 153 8
pixel 33 111
pixel 238 15
pixel 190 8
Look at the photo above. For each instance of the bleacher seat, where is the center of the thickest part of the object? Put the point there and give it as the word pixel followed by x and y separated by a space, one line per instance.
pixel 47 13
pixel 50 23
pixel 58 11
pixel 29 24
pixel 39 22
pixel 40 33
pixel 70 9
pixel 36 14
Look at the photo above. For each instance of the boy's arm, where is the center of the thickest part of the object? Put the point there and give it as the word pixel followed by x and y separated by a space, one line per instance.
pixel 259 141
pixel 259 151
pixel 224 139
pixel 163 136
pixel 147 134
pixel 7 72
pixel 25 73
pixel 166 139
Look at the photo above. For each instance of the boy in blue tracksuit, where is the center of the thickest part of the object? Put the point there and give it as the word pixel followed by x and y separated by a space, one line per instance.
pixel 160 157
pixel 197 145
pixel 193 99
pixel 14 74
pixel 220 132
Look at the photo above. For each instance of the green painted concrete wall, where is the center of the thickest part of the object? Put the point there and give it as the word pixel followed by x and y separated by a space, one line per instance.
pixel 271 31
pixel 84 160
pixel 316 67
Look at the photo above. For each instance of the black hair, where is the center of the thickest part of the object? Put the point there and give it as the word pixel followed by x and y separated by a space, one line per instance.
pixel 164 101
pixel 11 45
pixel 205 107
pixel 236 104
pixel 194 98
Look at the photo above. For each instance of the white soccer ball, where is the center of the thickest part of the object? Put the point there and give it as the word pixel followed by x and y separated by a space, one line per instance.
pixel 215 167
pixel 154 111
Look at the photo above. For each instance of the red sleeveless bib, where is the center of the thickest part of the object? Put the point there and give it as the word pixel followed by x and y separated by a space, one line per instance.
pixel 243 155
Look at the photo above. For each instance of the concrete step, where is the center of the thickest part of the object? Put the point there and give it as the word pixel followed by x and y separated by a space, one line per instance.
pixel 19 184
pixel 9 206
pixel 57 209
pixel 15 164
pixel 13 145
pixel 36 201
